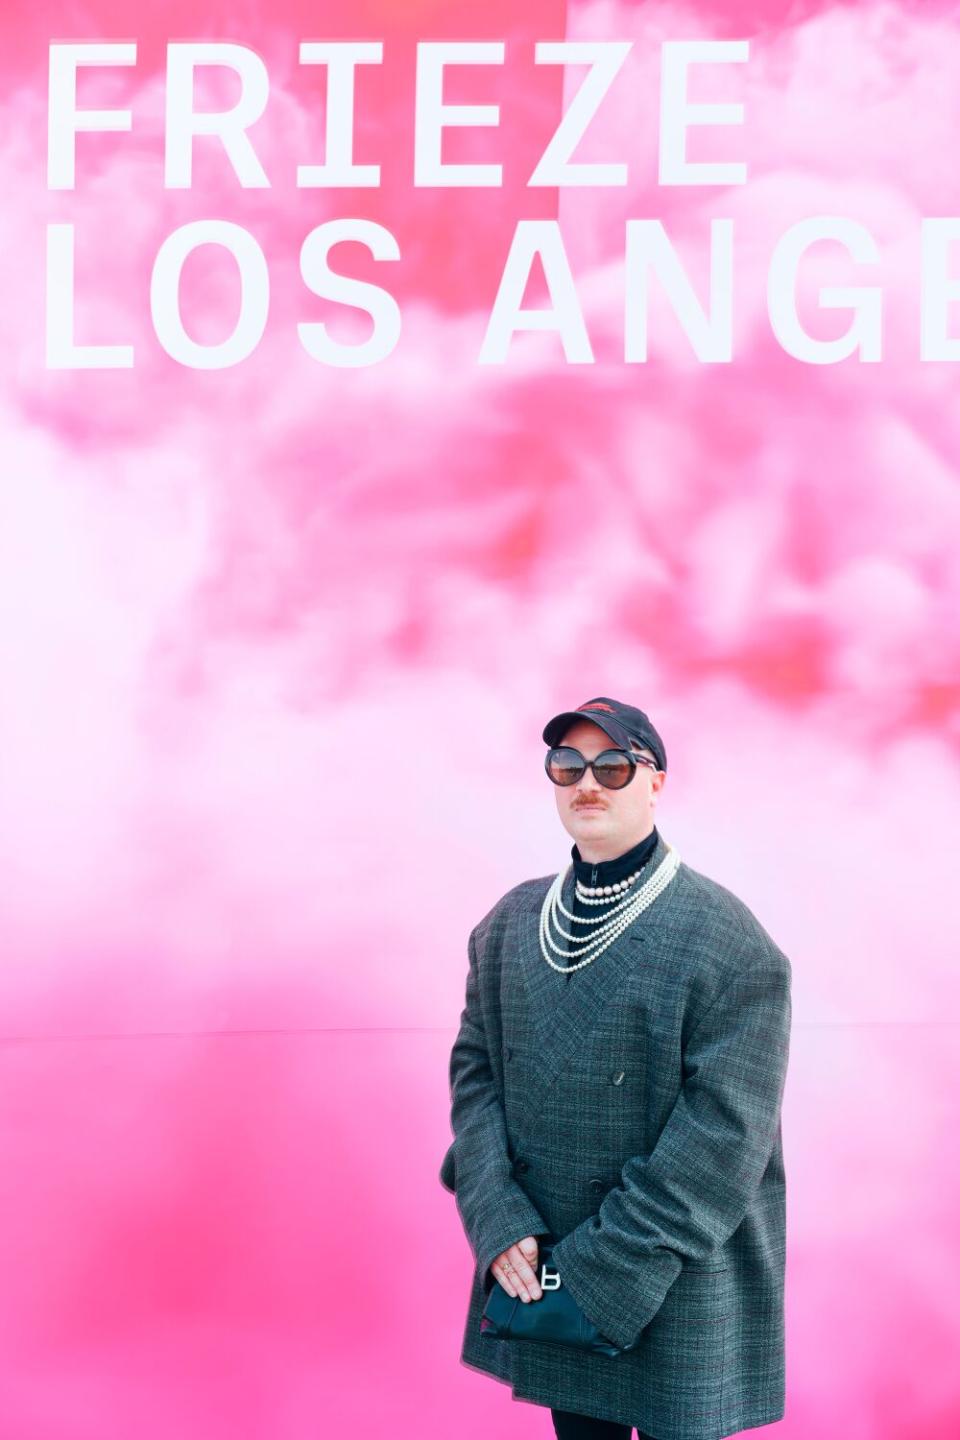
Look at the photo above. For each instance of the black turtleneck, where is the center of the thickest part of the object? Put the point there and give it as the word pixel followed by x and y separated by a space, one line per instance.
pixel 604 872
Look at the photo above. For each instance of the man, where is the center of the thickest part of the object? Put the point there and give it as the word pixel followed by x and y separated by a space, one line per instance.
pixel 616 1085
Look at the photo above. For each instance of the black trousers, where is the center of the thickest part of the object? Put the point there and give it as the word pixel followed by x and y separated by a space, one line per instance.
pixel 584 1427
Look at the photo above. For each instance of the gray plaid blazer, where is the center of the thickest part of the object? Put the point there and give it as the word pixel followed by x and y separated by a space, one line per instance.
pixel 631 1110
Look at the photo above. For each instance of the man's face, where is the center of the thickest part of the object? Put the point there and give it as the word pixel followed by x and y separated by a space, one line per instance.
pixel 605 822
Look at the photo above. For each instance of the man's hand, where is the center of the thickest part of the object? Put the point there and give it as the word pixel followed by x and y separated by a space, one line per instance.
pixel 515 1269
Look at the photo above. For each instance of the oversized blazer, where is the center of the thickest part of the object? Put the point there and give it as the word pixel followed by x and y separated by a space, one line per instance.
pixel 631 1110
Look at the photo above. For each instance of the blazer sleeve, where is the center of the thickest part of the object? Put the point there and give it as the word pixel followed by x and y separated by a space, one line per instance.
pixel 679 1203
pixel 494 1209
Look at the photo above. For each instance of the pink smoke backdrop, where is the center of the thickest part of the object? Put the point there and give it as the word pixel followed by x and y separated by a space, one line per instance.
pixel 277 646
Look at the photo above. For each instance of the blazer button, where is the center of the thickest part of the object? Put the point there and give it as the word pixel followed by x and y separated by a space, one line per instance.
pixel 521 1167
pixel 508 1053
pixel 618 1077
pixel 596 1186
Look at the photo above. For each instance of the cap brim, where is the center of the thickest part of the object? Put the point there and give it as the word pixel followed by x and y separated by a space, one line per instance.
pixel 555 729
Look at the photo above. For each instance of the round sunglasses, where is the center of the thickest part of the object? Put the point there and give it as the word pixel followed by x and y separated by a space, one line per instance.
pixel 611 768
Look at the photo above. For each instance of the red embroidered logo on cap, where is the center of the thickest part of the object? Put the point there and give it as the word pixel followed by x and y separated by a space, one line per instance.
pixel 597 705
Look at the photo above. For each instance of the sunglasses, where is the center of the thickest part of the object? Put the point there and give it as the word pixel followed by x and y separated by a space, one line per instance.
pixel 611 768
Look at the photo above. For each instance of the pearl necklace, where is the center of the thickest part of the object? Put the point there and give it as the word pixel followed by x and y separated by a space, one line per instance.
pixel 614 922
pixel 586 893
pixel 612 909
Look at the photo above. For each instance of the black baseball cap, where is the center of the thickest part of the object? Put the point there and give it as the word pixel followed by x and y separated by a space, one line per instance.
pixel 622 723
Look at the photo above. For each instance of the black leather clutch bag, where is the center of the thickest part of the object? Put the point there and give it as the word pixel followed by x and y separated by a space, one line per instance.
pixel 555 1318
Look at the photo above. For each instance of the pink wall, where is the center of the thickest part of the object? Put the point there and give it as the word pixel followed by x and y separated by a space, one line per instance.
pixel 233 928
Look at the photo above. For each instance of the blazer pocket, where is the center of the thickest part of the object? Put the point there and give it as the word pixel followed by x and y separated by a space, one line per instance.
pixel 606 1070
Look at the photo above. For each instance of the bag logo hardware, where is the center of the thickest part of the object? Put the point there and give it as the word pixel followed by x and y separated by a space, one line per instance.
pixel 549 1277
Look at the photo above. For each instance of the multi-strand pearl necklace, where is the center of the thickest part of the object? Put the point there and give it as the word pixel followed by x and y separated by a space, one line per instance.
pixel 614 920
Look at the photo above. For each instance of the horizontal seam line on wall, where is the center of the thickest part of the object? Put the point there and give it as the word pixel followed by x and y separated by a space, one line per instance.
pixel 399 1030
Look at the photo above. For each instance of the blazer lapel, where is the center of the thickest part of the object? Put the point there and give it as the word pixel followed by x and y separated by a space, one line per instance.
pixel 565 1008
